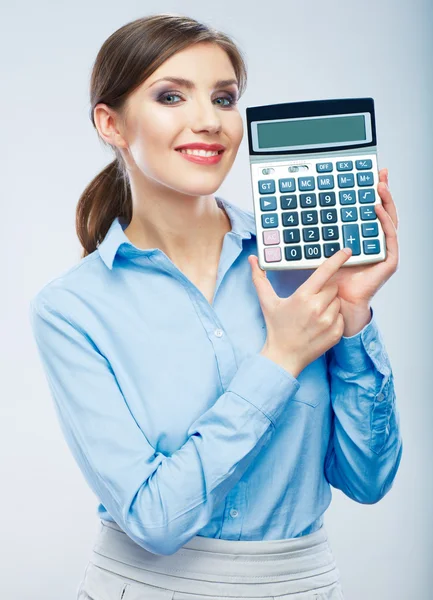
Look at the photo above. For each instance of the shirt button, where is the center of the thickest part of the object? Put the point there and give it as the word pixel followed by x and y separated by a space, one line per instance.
pixel 372 346
pixel 380 397
pixel 218 332
pixel 234 513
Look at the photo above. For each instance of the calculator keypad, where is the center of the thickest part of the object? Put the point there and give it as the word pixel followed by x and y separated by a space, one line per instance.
pixel 314 216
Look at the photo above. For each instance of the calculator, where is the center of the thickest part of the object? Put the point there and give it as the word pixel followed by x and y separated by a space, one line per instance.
pixel 314 176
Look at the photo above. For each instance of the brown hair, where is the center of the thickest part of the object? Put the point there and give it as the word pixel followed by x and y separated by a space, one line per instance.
pixel 126 59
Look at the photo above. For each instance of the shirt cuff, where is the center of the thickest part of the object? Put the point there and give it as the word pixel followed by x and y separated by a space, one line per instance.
pixel 355 354
pixel 265 384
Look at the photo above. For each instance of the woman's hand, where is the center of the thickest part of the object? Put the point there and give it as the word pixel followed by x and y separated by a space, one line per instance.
pixel 357 284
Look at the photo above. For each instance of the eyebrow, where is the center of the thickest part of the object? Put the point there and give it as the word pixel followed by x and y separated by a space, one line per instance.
pixel 190 85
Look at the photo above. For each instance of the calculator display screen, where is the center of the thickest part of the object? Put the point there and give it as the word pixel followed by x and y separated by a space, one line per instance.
pixel 312 132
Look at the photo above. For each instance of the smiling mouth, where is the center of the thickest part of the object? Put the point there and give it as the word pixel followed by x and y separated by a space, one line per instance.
pixel 195 153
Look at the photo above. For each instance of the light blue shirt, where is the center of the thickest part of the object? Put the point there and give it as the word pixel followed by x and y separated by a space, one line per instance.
pixel 178 424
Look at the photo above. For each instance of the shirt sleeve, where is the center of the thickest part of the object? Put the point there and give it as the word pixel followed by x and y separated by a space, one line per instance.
pixel 365 445
pixel 160 501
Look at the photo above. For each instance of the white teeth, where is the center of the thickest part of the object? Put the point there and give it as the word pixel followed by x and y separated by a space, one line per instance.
pixel 198 152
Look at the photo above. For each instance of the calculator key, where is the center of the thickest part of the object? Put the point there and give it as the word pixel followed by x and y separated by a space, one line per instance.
pixel 349 214
pixel 330 249
pixel 311 234
pixel 312 251
pixel 371 246
pixel 365 196
pixel 367 213
pixel 269 203
pixel 325 182
pixel 271 237
pixel 308 200
pixel 363 164
pixel 287 185
pixel 346 181
pixel 267 186
pixel 326 167
pixel 369 229
pixel 328 215
pixel 291 236
pixel 269 221
pixel 290 219
pixel 273 254
pixel 330 233
pixel 344 165
pixel 289 202
pixel 327 199
pixel 365 179
pixel 351 238
pixel 293 252
pixel 306 183
pixel 309 217
pixel 347 197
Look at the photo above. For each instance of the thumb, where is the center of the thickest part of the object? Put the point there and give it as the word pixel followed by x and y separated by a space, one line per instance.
pixel 264 289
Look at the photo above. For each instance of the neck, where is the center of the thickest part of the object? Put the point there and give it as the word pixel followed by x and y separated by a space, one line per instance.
pixel 189 230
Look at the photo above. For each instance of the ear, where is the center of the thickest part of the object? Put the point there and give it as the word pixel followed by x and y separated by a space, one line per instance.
pixel 109 125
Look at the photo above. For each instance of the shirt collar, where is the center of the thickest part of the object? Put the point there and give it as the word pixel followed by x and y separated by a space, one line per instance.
pixel 243 226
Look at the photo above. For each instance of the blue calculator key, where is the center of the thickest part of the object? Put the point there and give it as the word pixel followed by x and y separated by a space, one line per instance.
pixel 290 219
pixel 351 238
pixel 327 199
pixel 367 213
pixel 290 201
pixel 366 196
pixel 363 164
pixel 268 203
pixel 344 165
pixel 308 200
pixel 346 181
pixel 311 234
pixel 267 186
pixel 270 221
pixel 287 185
pixel 325 182
pixel 306 183
pixel 370 229
pixel 365 179
pixel 347 197
pixel 291 236
pixel 293 252
pixel 328 215
pixel 330 233
pixel 331 249
pixel 309 217
pixel 312 251
pixel 349 214
pixel 326 167
pixel 371 246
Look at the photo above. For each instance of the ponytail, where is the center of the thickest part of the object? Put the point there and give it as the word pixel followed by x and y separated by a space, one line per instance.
pixel 106 197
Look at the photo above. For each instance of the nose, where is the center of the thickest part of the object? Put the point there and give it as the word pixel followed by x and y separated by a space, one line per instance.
pixel 205 116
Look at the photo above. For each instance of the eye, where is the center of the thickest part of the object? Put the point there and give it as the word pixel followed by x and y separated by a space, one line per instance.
pixel 164 98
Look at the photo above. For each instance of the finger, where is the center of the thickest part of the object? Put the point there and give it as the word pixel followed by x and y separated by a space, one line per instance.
pixel 265 291
pixel 386 196
pixel 390 232
pixel 326 270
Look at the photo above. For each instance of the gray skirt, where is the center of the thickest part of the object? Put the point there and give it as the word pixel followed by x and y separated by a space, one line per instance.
pixel 300 568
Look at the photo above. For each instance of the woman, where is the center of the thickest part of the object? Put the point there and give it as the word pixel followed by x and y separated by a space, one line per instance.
pixel 209 407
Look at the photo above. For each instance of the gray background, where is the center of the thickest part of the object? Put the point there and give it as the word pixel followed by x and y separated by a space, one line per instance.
pixel 295 51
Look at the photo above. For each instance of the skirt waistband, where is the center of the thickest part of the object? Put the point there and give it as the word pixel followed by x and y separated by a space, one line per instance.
pixel 216 567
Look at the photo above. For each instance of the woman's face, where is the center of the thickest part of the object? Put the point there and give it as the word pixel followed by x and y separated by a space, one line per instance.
pixel 162 115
